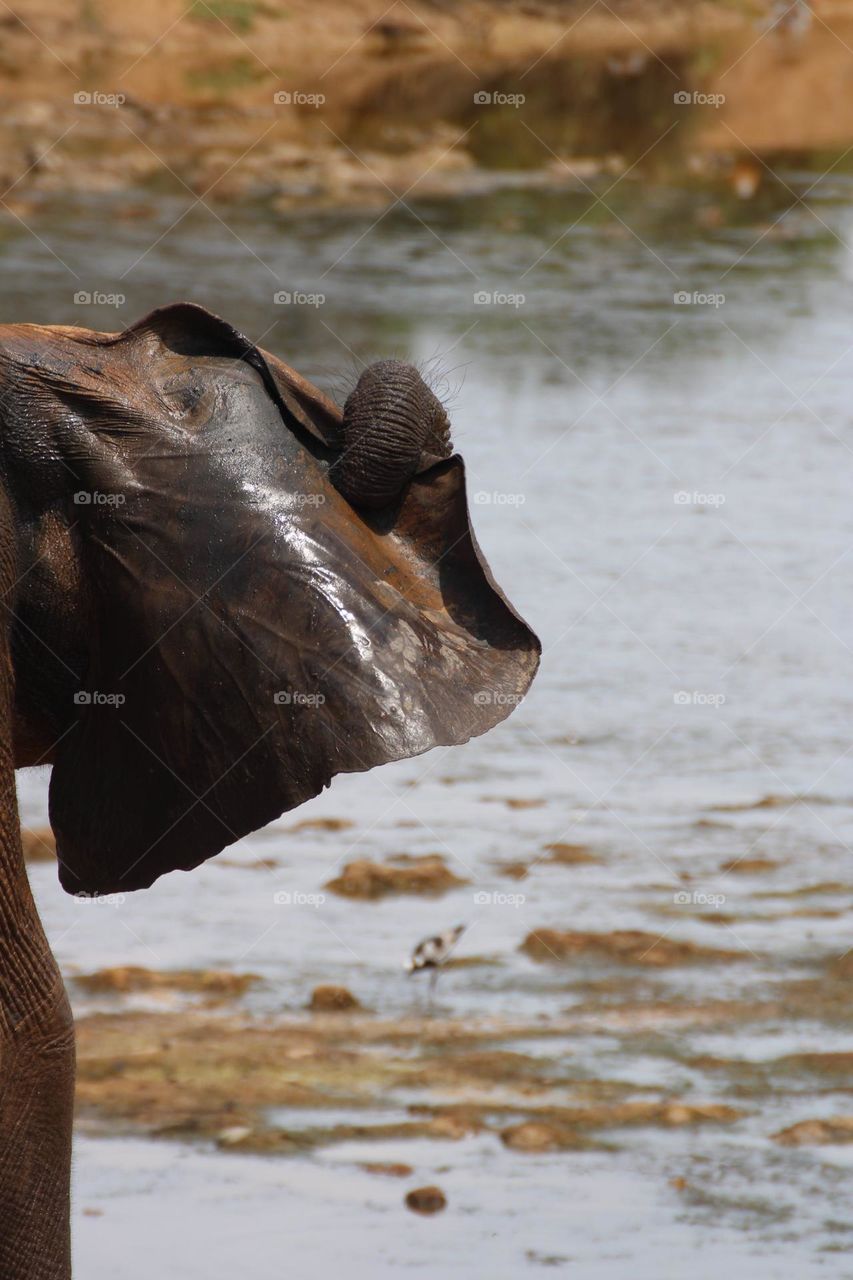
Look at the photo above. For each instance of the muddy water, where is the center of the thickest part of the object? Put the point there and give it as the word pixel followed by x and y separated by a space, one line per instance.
pixel 663 490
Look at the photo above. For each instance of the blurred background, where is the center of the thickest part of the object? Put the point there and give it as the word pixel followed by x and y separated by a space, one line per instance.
pixel 616 238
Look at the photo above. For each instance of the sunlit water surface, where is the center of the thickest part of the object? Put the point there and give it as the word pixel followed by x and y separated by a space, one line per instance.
pixel 696 662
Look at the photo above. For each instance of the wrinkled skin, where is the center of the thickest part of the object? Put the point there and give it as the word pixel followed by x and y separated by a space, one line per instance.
pixel 249 594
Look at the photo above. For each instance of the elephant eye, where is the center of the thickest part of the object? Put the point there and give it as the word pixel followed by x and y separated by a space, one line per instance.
pixel 189 395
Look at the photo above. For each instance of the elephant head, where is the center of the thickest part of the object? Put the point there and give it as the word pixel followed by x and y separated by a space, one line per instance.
pixel 228 592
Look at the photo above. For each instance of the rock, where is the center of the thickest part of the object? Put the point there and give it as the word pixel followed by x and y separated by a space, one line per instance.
pixel 836 1062
pixel 332 999
pixel 322 824
pixel 749 866
pixel 125 978
pixel 563 1130
pixel 38 844
pixel 534 1135
pixel 385 1170
pixel 679 1113
pixel 454 1126
pixel 426 1200
pixel 257 864
pixel 570 855
pixel 369 880
pixel 513 870
pixel 231 1136
pixel 816 1132
pixel 624 946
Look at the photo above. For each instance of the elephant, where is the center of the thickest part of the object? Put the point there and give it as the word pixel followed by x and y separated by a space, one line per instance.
pixel 218 592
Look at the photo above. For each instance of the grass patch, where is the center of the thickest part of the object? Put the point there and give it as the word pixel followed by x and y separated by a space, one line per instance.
pixel 237 15
pixel 224 77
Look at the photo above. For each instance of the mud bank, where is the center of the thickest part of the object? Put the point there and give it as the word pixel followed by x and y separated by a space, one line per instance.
pixel 360 105
pixel 295 1085
pixel 292 1084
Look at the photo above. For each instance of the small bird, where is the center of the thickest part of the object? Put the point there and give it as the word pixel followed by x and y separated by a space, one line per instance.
pixel 433 953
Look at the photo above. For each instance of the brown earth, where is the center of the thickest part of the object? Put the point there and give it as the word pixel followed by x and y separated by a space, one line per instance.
pixel 38 844
pixel 215 983
pixel 564 1135
pixel 816 1132
pixel 624 946
pixel 570 855
pixel 749 866
pixel 381 102
pixel 369 880
pixel 198 1075
pixel 332 999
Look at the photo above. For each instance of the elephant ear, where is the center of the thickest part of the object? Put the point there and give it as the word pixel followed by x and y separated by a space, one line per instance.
pixel 252 634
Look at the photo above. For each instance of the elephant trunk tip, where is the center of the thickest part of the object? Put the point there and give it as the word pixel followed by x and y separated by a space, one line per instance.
pixel 392 421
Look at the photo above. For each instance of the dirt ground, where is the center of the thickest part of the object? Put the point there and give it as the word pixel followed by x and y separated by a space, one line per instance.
pixel 211 1072
pixel 360 103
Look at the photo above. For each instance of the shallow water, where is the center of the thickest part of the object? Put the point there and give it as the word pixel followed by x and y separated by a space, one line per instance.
pixel 695 655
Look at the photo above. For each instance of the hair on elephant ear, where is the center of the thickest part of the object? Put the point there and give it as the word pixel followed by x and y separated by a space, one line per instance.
pixel 278 593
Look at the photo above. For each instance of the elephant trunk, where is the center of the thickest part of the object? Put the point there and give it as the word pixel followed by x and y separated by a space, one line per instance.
pixel 391 423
